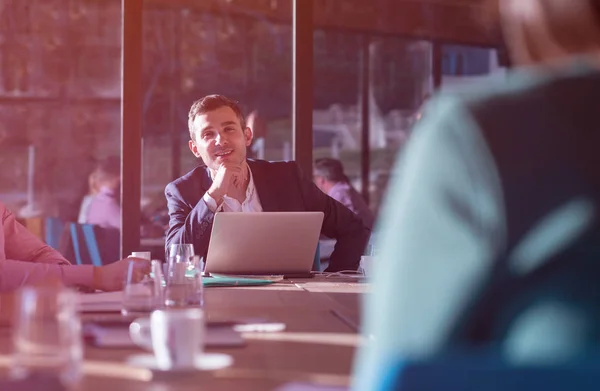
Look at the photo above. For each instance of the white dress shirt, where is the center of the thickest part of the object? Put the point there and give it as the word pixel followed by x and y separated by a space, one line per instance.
pixel 229 204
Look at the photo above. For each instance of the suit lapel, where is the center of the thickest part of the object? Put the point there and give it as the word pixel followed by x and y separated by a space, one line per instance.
pixel 268 199
pixel 205 181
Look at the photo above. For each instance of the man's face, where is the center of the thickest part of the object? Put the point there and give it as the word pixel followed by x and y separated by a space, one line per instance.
pixel 219 138
pixel 320 182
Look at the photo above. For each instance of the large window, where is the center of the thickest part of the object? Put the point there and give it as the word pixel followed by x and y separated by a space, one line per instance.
pixel 399 73
pixel 336 115
pixel 463 64
pixel 59 101
pixel 401 80
pixel 189 53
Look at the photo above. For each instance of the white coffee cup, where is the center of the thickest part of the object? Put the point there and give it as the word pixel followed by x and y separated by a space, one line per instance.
pixel 175 336
pixel 141 254
pixel 366 264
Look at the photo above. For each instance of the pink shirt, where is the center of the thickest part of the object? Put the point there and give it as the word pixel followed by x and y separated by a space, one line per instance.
pixel 26 259
pixel 104 210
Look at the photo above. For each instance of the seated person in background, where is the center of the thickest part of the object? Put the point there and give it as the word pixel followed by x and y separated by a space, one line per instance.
pixel 105 209
pixel 24 259
pixel 495 210
pixel 230 182
pixel 259 132
pixel 87 199
pixel 330 178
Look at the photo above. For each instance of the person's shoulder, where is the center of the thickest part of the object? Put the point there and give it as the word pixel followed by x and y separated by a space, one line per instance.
pixel 340 189
pixel 518 90
pixel 273 166
pixel 458 101
pixel 191 179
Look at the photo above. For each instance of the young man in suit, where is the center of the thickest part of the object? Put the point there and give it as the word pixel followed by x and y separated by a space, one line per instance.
pixel 229 182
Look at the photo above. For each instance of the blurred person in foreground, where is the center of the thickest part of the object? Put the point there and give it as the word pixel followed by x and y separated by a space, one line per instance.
pixel 24 259
pixel 329 176
pixel 228 181
pixel 495 186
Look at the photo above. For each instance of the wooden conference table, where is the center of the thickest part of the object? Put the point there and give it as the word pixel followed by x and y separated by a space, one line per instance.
pixel 321 317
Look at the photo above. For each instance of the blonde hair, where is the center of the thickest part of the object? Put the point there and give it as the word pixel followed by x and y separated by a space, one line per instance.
pixel 545 30
pixel 93 183
pixel 107 171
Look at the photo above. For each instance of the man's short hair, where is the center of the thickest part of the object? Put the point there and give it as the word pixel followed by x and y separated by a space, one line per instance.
pixel 330 169
pixel 211 103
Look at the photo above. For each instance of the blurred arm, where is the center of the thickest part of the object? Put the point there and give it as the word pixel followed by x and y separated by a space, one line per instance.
pixel 14 274
pixel 29 260
pixel 24 246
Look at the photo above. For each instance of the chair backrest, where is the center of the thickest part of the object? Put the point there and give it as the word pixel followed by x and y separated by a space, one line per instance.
pixel 84 244
pixel 53 229
pixel 316 267
pixel 90 243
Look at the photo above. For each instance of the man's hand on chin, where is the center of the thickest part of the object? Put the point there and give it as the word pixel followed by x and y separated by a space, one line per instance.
pixel 229 176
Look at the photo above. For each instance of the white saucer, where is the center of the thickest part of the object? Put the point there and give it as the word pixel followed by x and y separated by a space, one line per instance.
pixel 203 362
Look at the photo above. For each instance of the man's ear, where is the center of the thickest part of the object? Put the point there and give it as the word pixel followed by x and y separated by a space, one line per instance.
pixel 248 135
pixel 193 148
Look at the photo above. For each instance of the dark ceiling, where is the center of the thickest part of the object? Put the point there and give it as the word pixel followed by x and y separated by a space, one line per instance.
pixel 457 21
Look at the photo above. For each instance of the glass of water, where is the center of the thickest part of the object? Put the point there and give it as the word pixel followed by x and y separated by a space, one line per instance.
pixel 185 251
pixel 183 280
pixel 47 336
pixel 142 294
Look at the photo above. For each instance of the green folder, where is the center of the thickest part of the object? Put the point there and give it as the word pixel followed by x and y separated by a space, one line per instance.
pixel 222 280
pixel 234 281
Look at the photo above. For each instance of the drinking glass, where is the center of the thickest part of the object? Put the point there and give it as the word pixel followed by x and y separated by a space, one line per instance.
pixel 183 280
pixel 47 335
pixel 142 293
pixel 185 251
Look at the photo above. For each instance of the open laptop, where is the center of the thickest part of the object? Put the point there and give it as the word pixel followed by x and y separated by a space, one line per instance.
pixel 264 243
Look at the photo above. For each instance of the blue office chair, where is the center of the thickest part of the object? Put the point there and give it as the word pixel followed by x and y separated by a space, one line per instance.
pixel 85 244
pixel 316 267
pixel 53 229
pixel 91 245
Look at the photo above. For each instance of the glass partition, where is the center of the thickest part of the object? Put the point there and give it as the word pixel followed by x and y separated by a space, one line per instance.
pixel 190 53
pixel 59 101
pixel 336 115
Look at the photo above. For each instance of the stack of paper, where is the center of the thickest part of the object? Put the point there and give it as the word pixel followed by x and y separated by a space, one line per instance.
pixel 118 337
pixel 100 302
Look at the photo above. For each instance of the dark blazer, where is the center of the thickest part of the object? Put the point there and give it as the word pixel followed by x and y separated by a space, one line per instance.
pixel 281 187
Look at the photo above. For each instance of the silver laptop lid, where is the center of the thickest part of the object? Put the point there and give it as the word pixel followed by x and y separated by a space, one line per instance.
pixel 263 242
